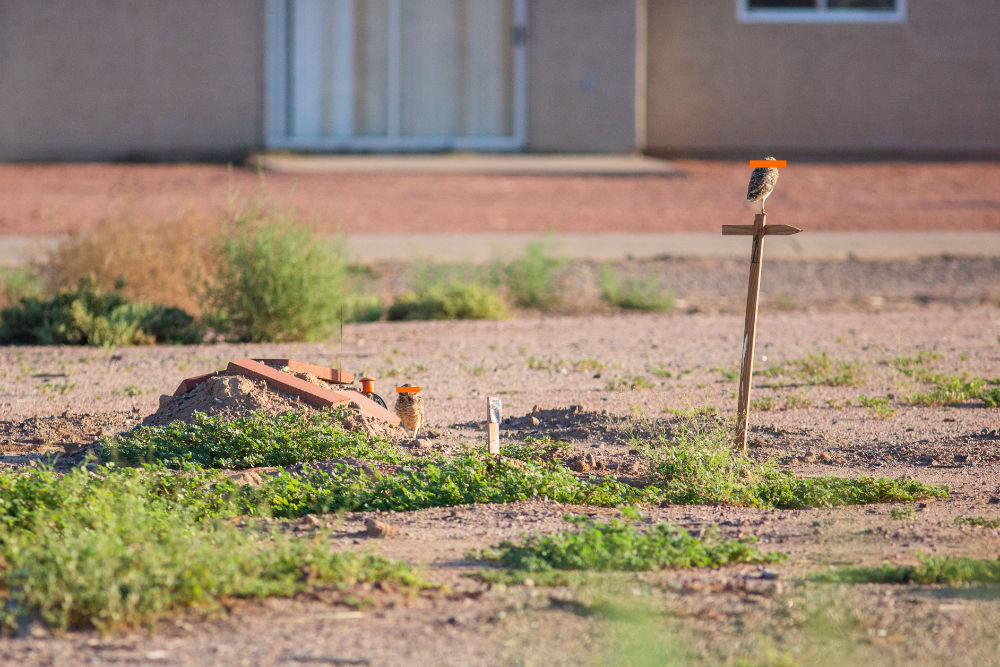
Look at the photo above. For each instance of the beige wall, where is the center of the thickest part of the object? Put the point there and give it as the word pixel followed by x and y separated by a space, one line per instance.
pixel 928 85
pixel 581 75
pixel 120 79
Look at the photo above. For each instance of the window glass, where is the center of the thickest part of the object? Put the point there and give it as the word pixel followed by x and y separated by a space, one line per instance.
pixel 781 4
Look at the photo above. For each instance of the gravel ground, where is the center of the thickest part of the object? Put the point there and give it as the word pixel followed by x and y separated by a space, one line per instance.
pixel 888 196
pixel 54 398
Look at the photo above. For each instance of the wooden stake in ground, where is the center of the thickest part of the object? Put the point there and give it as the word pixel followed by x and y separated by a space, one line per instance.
pixel 758 230
pixel 493 425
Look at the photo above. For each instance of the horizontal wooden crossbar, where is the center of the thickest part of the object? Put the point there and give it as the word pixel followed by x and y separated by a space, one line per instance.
pixel 747 230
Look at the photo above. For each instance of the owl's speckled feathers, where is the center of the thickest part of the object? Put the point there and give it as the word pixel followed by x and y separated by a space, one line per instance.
pixel 762 181
pixel 410 409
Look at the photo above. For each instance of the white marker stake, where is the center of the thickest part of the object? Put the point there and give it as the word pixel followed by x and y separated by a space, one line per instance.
pixel 493 424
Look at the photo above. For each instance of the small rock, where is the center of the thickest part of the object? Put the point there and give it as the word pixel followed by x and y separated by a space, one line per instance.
pixel 768 574
pixel 994 500
pixel 376 528
pixel 312 519
pixel 420 443
pixel 535 421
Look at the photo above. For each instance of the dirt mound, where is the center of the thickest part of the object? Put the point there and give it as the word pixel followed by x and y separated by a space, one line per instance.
pixel 231 396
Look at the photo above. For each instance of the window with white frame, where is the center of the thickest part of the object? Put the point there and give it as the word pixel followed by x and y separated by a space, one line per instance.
pixel 821 11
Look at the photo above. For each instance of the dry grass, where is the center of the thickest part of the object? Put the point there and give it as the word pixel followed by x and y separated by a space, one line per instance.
pixel 162 262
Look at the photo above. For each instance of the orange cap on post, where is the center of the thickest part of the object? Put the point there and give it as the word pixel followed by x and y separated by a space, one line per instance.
pixel 367 385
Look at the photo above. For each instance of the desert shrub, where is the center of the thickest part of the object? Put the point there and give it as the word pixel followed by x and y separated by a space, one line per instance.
pixel 88 315
pixel 18 283
pixel 617 545
pixel 931 570
pixel 275 280
pixel 257 439
pixel 531 279
pixel 633 294
pixel 454 300
pixel 72 557
pixel 160 262
pixel 363 308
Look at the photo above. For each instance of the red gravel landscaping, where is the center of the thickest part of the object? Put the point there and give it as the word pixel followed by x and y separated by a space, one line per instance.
pixel 55 199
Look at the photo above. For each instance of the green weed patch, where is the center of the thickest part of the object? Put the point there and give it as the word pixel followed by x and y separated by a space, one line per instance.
pixel 258 439
pixel 454 300
pixel 635 294
pixel 931 570
pixel 621 546
pixel 122 549
pixel 978 521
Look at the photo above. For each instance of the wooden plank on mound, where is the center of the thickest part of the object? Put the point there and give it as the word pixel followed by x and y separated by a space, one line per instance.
pixel 307 392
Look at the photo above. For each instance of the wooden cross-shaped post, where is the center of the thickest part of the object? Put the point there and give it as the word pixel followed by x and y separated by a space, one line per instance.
pixel 758 230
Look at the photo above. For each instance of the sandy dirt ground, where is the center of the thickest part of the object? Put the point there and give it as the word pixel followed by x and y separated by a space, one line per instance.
pixel 571 378
pixel 56 199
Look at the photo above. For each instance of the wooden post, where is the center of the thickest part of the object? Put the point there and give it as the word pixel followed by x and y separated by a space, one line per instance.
pixel 493 425
pixel 758 230
pixel 750 331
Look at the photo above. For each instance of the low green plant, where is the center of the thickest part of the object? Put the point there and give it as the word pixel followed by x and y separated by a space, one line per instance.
pixel 532 279
pixel 821 369
pixel 274 280
pixel 618 545
pixel 978 521
pixel 631 382
pixel 88 315
pixel 931 570
pixel 878 406
pixel 955 390
pixel 696 464
pixel 455 300
pixel 257 439
pixel 633 294
pixel 661 372
pixel 903 513
pixel 116 550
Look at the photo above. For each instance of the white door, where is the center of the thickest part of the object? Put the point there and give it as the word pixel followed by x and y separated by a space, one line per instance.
pixel 396 74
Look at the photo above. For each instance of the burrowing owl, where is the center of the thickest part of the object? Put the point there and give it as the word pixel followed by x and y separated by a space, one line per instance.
pixel 762 181
pixel 410 409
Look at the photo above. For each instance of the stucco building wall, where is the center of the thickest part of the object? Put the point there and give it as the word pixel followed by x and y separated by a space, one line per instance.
pixel 929 84
pixel 581 75
pixel 119 79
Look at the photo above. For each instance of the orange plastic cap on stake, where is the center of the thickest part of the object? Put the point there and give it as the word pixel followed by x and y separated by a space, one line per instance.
pixel 367 385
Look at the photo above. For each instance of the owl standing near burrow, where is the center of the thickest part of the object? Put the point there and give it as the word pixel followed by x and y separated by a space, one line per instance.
pixel 410 409
pixel 762 180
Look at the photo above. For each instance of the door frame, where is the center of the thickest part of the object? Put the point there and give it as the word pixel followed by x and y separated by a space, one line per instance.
pixel 278 112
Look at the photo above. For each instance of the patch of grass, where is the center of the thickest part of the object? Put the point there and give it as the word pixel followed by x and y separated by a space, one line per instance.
pixel 877 406
pixel 978 521
pixel 585 365
pixel 661 372
pixel 931 570
pixel 275 280
pixel 115 551
pixel 631 382
pixel 634 294
pixel 913 365
pixel 728 374
pixel 955 390
pixel 821 369
pixel 258 439
pixel 455 300
pixel 620 546
pixel 693 412
pixel 696 464
pixel 88 315
pixel 903 513
pixel 531 279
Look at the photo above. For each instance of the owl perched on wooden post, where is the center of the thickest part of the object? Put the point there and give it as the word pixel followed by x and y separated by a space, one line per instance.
pixel 410 409
pixel 762 180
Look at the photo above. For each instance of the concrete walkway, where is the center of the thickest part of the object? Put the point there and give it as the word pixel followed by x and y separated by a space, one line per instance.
pixel 467 163
pixel 16 250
